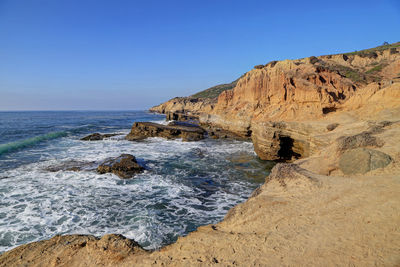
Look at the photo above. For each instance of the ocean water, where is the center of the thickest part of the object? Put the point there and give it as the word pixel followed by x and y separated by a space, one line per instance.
pixel 185 184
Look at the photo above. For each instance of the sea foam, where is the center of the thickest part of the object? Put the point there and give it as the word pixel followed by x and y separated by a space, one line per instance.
pixel 186 184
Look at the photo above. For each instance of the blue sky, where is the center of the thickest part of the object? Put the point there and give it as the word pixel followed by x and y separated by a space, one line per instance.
pixel 124 55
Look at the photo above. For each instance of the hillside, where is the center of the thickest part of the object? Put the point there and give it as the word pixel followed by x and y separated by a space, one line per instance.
pixel 214 91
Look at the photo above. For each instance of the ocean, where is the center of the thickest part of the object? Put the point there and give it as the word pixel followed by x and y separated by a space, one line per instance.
pixel 185 184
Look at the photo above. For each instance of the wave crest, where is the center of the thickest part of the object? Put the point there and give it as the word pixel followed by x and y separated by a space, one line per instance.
pixel 16 145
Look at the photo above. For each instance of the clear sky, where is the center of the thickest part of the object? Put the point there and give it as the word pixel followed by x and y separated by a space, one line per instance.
pixel 124 55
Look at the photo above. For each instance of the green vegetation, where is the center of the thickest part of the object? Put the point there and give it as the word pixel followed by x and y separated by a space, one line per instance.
pixel 375 69
pixel 214 91
pixel 353 74
pixel 372 51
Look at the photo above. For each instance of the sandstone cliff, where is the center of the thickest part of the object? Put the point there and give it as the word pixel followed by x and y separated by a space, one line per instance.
pixel 269 102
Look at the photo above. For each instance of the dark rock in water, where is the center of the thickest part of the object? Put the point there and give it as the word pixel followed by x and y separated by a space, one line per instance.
pixel 362 160
pixel 97 137
pixel 72 165
pixel 124 166
pixel 198 152
pixel 142 130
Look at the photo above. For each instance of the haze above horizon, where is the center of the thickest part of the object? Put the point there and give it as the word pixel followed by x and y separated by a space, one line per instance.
pixel 130 55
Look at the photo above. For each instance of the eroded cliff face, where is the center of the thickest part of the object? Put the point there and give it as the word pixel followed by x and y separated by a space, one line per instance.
pixel 270 102
pixel 188 105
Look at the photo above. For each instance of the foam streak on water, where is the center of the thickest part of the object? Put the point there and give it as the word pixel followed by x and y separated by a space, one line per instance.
pixel 186 184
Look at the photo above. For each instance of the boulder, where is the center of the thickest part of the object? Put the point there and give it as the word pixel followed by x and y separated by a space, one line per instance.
pixel 97 137
pixel 124 166
pixel 142 130
pixel 332 126
pixel 362 160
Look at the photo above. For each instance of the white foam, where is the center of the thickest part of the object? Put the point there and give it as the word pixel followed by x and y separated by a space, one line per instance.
pixel 187 184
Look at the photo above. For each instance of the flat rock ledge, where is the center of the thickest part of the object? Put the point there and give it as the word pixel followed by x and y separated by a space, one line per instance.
pixel 142 130
pixel 124 166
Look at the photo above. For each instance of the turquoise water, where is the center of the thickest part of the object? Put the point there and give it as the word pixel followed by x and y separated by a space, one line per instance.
pixel 185 185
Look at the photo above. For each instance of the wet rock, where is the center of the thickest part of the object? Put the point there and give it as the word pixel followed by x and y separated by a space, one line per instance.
pixel 362 160
pixel 142 130
pixel 198 152
pixel 124 166
pixel 72 165
pixel 97 137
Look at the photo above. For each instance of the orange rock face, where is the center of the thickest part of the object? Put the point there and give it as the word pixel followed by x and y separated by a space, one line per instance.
pixel 299 90
pixel 294 91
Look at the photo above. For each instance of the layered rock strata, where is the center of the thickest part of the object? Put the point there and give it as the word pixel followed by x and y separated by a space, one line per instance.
pixel 270 102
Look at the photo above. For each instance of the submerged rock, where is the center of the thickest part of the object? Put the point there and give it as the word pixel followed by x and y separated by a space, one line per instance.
pixel 362 160
pixel 72 165
pixel 124 166
pixel 97 137
pixel 142 130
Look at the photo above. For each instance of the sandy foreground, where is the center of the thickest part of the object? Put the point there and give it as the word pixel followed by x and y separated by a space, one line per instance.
pixel 299 217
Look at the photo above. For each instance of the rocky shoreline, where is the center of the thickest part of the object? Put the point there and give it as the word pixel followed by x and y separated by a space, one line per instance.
pixel 336 202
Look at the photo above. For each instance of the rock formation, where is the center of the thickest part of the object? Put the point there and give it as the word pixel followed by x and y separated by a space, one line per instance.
pixel 142 130
pixel 73 250
pixel 188 105
pixel 124 166
pixel 97 137
pixel 270 102
pixel 72 165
